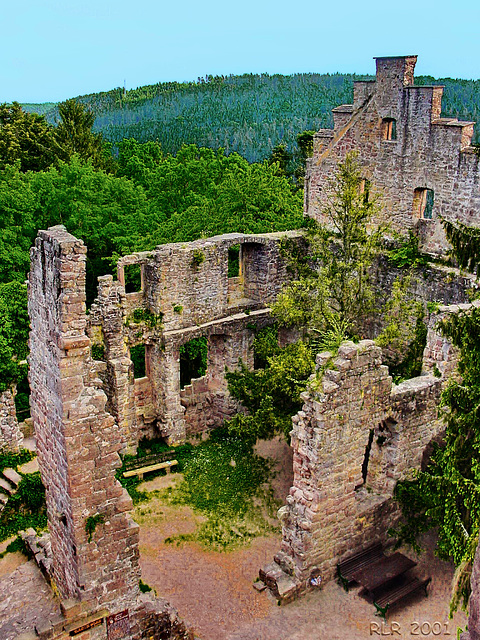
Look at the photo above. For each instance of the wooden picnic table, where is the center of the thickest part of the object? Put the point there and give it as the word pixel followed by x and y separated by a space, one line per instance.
pixel 382 571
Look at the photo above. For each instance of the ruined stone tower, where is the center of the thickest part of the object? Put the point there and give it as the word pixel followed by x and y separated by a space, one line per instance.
pixel 94 542
pixel 423 165
pixel 77 441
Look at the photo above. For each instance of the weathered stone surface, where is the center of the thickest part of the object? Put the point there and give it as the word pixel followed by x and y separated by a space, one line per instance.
pixel 11 437
pixel 473 632
pixel 71 444
pixel 26 601
pixel 441 357
pixel 427 152
pixel 12 476
pixel 351 444
pixel 185 293
pixel 91 552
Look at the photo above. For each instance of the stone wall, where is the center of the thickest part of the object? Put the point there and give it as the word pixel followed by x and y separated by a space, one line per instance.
pixel 185 293
pixel 356 436
pixel 11 437
pixel 427 152
pixel 440 357
pixel 473 632
pixel 94 542
pixel 77 440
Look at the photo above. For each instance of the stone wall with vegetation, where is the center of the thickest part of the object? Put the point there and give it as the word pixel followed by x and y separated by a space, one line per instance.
pixel 356 436
pixel 77 440
pixel 94 542
pixel 11 437
pixel 423 152
pixel 184 291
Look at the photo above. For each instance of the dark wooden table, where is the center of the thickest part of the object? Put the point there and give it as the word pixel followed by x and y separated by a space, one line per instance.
pixel 382 571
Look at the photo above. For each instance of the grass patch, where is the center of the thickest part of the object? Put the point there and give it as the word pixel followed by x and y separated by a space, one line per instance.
pixel 13 460
pixel 224 481
pixel 26 508
pixel 17 545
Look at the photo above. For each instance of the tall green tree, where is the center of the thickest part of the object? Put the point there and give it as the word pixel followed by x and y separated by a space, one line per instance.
pixel 74 136
pixel 272 393
pixel 332 292
pixel 25 138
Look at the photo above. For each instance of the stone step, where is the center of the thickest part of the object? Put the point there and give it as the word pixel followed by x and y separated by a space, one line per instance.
pixel 12 476
pixel 3 499
pixel 6 486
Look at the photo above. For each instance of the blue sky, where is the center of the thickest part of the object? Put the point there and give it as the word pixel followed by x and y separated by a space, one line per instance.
pixel 57 49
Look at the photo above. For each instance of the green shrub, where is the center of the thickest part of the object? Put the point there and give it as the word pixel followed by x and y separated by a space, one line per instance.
pixel 26 508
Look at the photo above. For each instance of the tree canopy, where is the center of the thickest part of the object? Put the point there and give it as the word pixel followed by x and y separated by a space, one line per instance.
pixel 152 199
pixel 331 292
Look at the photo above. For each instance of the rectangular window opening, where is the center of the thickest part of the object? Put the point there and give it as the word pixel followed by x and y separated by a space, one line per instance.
pixel 193 360
pixel 364 189
pixel 423 200
pixel 389 126
pixel 234 261
pixel 98 351
pixel 22 398
pixel 137 356
pixel 133 278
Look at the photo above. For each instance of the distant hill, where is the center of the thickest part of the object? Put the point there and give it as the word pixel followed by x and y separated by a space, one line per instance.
pixel 42 109
pixel 249 114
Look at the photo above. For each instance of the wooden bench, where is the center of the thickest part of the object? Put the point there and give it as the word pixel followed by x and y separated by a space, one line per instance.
pixel 394 593
pixel 350 565
pixel 149 463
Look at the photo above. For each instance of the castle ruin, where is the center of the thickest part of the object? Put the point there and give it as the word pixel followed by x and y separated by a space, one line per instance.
pixel 357 433
pixel 422 164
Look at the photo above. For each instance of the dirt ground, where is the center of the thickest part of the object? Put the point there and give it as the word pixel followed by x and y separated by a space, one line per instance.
pixel 213 591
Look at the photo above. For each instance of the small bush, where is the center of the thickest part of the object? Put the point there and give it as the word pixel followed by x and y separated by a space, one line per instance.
pixel 26 508
pixel 197 258
pixel 144 588
pixel 408 253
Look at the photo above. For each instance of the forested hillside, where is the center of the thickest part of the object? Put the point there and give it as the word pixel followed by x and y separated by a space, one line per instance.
pixel 249 114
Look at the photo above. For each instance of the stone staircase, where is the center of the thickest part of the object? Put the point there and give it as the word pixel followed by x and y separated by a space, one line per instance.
pixel 279 578
pixel 9 481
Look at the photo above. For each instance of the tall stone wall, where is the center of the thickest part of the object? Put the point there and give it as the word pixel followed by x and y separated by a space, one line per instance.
pixel 94 542
pixel 356 436
pixel 186 292
pixel 427 152
pixel 11 437
pixel 77 440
